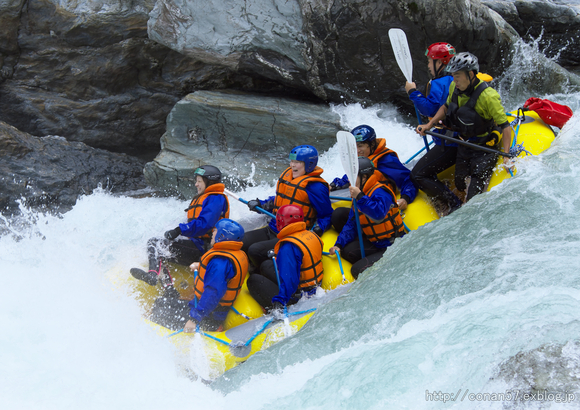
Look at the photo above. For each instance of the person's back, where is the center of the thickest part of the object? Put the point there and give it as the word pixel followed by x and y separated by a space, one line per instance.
pixel 300 184
pixel 475 111
pixel 298 267
pixel 387 162
pixel 380 220
pixel 204 211
pixel 219 277
pixel 443 154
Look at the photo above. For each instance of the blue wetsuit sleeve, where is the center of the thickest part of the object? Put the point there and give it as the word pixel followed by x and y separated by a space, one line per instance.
pixel 341 182
pixel 219 271
pixel 268 203
pixel 212 209
pixel 391 167
pixel 289 261
pixel 319 196
pixel 377 205
pixel 430 104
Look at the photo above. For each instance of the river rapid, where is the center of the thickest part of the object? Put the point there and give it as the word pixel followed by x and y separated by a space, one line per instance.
pixel 471 311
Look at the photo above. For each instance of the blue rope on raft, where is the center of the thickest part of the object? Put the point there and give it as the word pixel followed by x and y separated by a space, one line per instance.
pixel 241 314
pixel 339 263
pixel 175 333
pixel 417 153
pixel 217 339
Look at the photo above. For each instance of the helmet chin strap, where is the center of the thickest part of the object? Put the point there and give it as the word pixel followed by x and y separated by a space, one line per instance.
pixel 472 82
pixel 438 71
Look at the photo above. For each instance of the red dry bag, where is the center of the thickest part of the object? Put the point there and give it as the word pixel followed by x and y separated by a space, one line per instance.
pixel 552 113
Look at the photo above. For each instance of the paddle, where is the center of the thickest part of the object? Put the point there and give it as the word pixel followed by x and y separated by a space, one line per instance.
pixel 349 159
pixel 470 145
pixel 403 56
pixel 246 202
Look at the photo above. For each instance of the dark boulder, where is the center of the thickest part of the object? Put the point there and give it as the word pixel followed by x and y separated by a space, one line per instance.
pixel 53 172
pixel 556 25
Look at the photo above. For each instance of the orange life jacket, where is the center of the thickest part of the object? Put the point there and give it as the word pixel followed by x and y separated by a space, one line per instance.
pixel 291 191
pixel 391 226
pixel 380 152
pixel 311 270
pixel 232 251
pixel 196 205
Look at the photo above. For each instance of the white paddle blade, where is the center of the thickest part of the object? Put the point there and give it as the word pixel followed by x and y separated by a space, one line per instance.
pixel 402 53
pixel 348 154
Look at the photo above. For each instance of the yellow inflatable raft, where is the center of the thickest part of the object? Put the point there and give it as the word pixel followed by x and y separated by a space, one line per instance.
pixel 529 130
pixel 247 329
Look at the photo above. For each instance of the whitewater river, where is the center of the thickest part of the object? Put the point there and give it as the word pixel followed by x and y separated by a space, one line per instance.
pixel 479 303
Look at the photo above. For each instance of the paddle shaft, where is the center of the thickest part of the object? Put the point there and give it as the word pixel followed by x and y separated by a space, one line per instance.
pixel 470 144
pixel 419 121
pixel 271 215
pixel 349 158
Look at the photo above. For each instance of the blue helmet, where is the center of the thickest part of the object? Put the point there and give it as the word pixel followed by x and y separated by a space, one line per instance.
pixel 306 154
pixel 228 230
pixel 364 133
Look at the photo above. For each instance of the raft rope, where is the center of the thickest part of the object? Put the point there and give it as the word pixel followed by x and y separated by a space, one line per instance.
pixel 250 340
pixel 517 149
pixel 417 153
pixel 339 264
pixel 242 315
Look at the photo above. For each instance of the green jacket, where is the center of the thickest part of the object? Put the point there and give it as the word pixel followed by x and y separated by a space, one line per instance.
pixel 488 104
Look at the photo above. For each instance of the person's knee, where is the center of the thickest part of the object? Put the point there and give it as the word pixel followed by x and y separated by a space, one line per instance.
pixel 365 263
pixel 261 289
pixel 339 218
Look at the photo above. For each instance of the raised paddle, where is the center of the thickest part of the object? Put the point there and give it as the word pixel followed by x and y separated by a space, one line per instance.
pixel 349 159
pixel 403 56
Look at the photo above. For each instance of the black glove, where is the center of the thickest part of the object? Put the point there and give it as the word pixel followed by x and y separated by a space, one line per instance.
pixel 318 231
pixel 172 234
pixel 253 204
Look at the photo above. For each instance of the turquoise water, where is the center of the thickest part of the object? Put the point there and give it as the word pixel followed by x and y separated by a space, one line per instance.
pixel 481 302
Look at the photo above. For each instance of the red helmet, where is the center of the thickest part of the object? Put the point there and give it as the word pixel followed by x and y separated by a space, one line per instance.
pixel 288 214
pixel 440 51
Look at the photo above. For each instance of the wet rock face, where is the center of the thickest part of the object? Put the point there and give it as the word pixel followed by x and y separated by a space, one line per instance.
pixel 108 73
pixel 552 368
pixel 54 172
pixel 86 71
pixel 556 22
pixel 248 137
pixel 336 50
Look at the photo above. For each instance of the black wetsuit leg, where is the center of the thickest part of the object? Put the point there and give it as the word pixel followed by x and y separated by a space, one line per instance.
pixel 181 251
pixel 482 165
pixel 172 312
pixel 257 243
pixel 263 286
pixel 424 173
pixel 339 218
pixel 476 164
pixel 366 262
pixel 352 253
